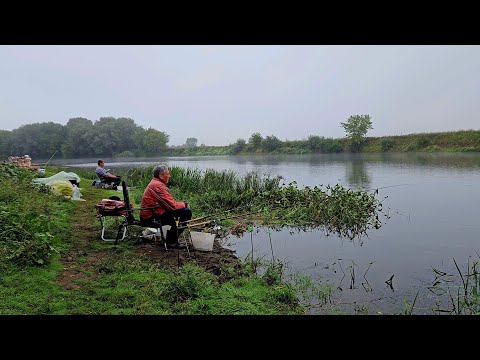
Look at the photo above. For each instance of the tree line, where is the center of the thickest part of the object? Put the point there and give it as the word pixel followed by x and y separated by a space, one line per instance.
pixel 356 128
pixel 81 137
pixel 121 137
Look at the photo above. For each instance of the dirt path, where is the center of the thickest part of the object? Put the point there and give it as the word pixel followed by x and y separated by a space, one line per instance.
pixel 88 251
pixel 83 257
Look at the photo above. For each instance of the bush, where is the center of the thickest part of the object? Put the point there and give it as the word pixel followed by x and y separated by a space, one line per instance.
pixel 423 142
pixel 386 144
pixel 21 238
pixel 238 146
pixel 24 222
pixel 271 143
pixel 325 145
pixel 273 274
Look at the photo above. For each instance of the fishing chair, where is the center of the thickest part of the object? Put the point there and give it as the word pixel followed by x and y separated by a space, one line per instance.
pixel 104 182
pixel 130 220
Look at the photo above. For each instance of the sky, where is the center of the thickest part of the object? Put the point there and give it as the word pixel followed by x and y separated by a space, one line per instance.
pixel 219 94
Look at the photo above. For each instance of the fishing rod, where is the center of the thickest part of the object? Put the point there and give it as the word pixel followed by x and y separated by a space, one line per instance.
pixel 50 158
pixel 216 214
pixel 207 222
pixel 228 217
pixel 188 224
pixel 385 187
pixel 227 211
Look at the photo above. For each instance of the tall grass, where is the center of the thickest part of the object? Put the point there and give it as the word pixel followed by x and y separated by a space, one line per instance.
pixel 460 291
pixel 336 208
pixel 30 219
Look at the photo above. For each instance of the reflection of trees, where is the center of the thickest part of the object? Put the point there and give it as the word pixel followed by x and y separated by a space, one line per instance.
pixel 467 161
pixel 260 160
pixel 240 159
pixel 357 175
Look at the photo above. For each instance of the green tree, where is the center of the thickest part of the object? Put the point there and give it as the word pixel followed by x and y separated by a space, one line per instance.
pixel 38 139
pixel 238 146
pixel 110 136
pixel 325 145
pixel 271 143
pixel 315 143
pixel 255 140
pixel 356 128
pixel 5 143
pixel 386 144
pixel 191 142
pixel 77 142
pixel 154 141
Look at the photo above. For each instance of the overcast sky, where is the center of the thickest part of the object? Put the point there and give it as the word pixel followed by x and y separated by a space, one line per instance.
pixel 221 93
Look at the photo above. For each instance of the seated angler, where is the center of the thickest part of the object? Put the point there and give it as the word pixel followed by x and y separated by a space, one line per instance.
pixel 105 176
pixel 166 208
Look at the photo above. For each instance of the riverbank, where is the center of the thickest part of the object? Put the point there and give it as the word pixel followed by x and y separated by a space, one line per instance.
pixel 67 269
pixel 53 261
pixel 452 141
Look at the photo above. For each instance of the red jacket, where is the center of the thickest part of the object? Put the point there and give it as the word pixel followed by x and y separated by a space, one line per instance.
pixel 157 194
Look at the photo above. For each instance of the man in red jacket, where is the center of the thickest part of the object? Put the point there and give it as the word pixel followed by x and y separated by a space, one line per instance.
pixel 166 207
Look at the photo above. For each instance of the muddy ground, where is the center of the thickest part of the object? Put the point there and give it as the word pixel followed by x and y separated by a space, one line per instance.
pixel 171 258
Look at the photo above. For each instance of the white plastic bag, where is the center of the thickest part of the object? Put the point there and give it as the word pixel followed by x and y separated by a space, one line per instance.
pixel 76 194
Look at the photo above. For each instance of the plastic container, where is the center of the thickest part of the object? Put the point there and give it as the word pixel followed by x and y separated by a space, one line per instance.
pixel 153 232
pixel 76 193
pixel 202 241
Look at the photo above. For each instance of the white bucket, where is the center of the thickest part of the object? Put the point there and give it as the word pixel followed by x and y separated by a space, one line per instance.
pixel 202 241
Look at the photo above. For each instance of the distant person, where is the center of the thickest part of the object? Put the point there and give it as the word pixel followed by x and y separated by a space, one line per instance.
pixel 166 208
pixel 105 176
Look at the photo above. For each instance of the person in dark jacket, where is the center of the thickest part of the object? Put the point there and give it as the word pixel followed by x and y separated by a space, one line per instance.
pixel 166 208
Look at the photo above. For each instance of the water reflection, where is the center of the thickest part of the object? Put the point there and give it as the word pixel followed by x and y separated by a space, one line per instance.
pixel 467 161
pixel 357 175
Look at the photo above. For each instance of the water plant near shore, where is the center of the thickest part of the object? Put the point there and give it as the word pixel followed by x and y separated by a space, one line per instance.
pixel 269 200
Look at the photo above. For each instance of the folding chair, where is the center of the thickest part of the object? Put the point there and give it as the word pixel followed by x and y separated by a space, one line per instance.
pixel 129 219
pixel 111 208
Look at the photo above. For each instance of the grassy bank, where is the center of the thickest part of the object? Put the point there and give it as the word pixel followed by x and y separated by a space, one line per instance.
pixel 452 141
pixel 33 227
pixel 52 262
